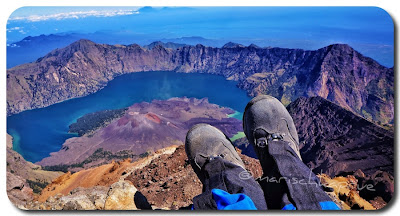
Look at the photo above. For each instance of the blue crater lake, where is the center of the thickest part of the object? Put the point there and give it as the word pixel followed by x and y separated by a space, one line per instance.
pixel 39 132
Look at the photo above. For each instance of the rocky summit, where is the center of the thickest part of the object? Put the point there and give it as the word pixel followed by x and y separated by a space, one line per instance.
pixel 163 180
pixel 336 72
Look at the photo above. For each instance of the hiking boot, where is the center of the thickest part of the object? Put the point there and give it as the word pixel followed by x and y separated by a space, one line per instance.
pixel 266 119
pixel 205 143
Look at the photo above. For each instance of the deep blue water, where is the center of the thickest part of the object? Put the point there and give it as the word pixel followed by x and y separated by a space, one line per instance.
pixel 41 131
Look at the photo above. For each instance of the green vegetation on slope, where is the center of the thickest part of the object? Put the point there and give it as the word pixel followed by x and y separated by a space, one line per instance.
pixel 92 121
pixel 239 135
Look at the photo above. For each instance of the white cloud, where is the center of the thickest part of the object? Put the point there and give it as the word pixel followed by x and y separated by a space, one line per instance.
pixel 75 15
pixel 14 29
pixel 12 45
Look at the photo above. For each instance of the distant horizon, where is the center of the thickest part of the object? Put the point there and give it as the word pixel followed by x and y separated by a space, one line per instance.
pixel 204 44
pixel 369 30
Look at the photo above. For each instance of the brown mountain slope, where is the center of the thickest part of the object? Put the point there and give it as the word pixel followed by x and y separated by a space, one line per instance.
pixel 336 72
pixel 104 175
pixel 35 176
pixel 165 178
pixel 333 140
pixel 18 190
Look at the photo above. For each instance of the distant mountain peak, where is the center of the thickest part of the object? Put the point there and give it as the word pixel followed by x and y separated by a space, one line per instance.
pixel 170 45
pixel 254 46
pixel 232 45
pixel 155 43
pixel 27 38
pixel 83 42
pixel 146 9
pixel 194 37
pixel 340 46
pixel 83 45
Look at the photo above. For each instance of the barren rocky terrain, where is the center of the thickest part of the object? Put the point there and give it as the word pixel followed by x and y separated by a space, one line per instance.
pixel 334 141
pixel 163 180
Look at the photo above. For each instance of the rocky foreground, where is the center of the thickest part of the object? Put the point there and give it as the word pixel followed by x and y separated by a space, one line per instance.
pixel 24 178
pixel 163 180
pixel 336 72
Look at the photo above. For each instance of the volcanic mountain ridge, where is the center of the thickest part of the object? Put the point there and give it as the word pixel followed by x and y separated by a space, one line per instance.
pixel 336 72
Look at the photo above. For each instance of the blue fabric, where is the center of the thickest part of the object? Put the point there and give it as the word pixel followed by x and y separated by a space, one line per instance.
pixel 227 201
pixel 329 205
pixel 325 205
pixel 289 207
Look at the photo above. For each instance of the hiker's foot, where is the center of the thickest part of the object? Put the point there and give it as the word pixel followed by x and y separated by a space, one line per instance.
pixel 205 143
pixel 266 119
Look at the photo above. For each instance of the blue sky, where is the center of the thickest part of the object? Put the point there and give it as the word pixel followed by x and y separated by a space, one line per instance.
pixel 367 29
